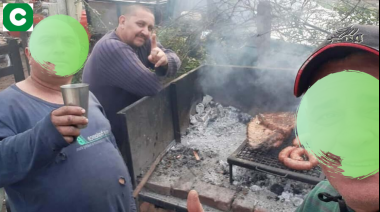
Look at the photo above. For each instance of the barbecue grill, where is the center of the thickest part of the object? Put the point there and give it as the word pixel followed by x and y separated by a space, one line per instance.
pixel 154 123
pixel 262 161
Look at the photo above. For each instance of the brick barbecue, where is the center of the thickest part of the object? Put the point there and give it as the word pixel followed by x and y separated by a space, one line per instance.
pixel 216 132
pixel 195 130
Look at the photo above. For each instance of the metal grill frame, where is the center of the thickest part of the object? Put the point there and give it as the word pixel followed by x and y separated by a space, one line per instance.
pixel 274 167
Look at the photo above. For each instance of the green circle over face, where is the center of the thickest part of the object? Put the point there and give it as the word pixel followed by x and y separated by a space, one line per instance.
pixel 60 40
pixel 340 115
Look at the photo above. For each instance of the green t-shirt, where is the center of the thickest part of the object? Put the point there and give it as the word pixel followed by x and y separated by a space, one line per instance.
pixel 314 204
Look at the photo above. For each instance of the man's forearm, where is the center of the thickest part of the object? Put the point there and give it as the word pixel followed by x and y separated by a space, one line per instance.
pixel 33 149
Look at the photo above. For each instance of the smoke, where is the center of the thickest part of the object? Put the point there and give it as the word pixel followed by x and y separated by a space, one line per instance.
pixel 267 88
pixel 235 41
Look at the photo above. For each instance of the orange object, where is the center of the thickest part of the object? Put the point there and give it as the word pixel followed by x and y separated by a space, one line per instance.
pixel 196 156
pixel 84 23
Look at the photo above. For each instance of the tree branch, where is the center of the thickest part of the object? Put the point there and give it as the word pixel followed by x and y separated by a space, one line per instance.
pixel 317 28
pixel 352 11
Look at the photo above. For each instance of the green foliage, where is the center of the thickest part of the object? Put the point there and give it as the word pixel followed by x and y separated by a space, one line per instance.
pixel 186 44
pixel 358 14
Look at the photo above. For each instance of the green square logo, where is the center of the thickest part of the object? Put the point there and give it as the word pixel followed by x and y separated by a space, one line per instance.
pixel 17 17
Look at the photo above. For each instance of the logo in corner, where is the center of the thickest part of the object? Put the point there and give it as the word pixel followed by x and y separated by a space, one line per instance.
pixel 17 17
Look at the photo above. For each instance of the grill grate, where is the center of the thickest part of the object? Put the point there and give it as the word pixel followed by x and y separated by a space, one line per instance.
pixel 262 161
pixel 262 158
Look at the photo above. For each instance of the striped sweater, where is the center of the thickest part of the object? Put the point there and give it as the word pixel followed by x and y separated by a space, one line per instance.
pixel 120 75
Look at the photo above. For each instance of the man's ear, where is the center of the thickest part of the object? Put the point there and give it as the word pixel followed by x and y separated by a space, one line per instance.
pixel 122 20
pixel 28 53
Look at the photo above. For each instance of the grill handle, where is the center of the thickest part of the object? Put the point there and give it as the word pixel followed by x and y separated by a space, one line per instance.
pixel 260 170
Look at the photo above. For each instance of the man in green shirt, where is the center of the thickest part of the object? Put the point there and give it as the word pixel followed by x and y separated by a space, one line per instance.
pixel 351 48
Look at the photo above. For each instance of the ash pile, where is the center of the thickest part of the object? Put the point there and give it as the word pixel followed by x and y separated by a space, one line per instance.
pixel 216 128
pixel 215 133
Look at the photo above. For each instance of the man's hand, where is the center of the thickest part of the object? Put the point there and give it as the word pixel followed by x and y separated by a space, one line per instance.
pixel 193 203
pixel 157 56
pixel 66 118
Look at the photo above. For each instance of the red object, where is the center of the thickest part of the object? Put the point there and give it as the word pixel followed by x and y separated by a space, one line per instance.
pixel 297 91
pixel 84 23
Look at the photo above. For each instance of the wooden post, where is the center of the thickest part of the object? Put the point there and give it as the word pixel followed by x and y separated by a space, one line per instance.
pixel 14 55
pixel 24 44
pixel 61 7
pixel 74 8
pixel 264 26
pixel 211 11
pixel 88 13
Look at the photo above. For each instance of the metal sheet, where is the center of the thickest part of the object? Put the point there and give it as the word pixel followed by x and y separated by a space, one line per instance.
pixel 188 94
pixel 150 130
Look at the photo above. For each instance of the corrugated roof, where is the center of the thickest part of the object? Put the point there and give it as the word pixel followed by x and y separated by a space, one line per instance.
pixel 134 1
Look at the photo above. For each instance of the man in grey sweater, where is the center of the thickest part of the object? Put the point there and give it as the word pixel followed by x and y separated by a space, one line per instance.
pixel 118 69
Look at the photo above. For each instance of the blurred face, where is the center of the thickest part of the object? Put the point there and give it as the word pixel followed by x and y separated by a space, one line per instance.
pixel 136 29
pixel 57 47
pixel 360 195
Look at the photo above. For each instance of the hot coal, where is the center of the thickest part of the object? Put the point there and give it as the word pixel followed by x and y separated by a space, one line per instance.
pixel 215 133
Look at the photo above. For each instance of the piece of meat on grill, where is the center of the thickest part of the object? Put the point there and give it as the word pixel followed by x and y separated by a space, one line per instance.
pixel 281 122
pixel 267 131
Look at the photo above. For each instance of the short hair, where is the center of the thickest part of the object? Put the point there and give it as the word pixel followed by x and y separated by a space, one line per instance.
pixel 131 9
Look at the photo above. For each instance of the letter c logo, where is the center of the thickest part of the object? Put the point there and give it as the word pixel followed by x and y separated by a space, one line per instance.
pixel 13 17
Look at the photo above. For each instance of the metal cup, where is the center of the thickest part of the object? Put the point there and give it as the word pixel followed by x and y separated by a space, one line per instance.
pixel 77 95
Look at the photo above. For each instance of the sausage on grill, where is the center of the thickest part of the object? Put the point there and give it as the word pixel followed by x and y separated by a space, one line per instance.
pixel 285 153
pixel 296 142
pixel 297 154
pixel 302 165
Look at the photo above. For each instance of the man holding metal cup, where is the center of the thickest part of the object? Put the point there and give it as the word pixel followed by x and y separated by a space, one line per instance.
pixel 55 156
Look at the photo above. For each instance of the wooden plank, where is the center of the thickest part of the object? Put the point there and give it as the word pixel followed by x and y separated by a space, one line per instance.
pixel 4 49
pixel 14 55
pixel 6 71
pixel 23 45
pixel 74 9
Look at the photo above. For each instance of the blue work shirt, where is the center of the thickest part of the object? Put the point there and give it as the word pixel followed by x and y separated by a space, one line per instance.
pixel 41 172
